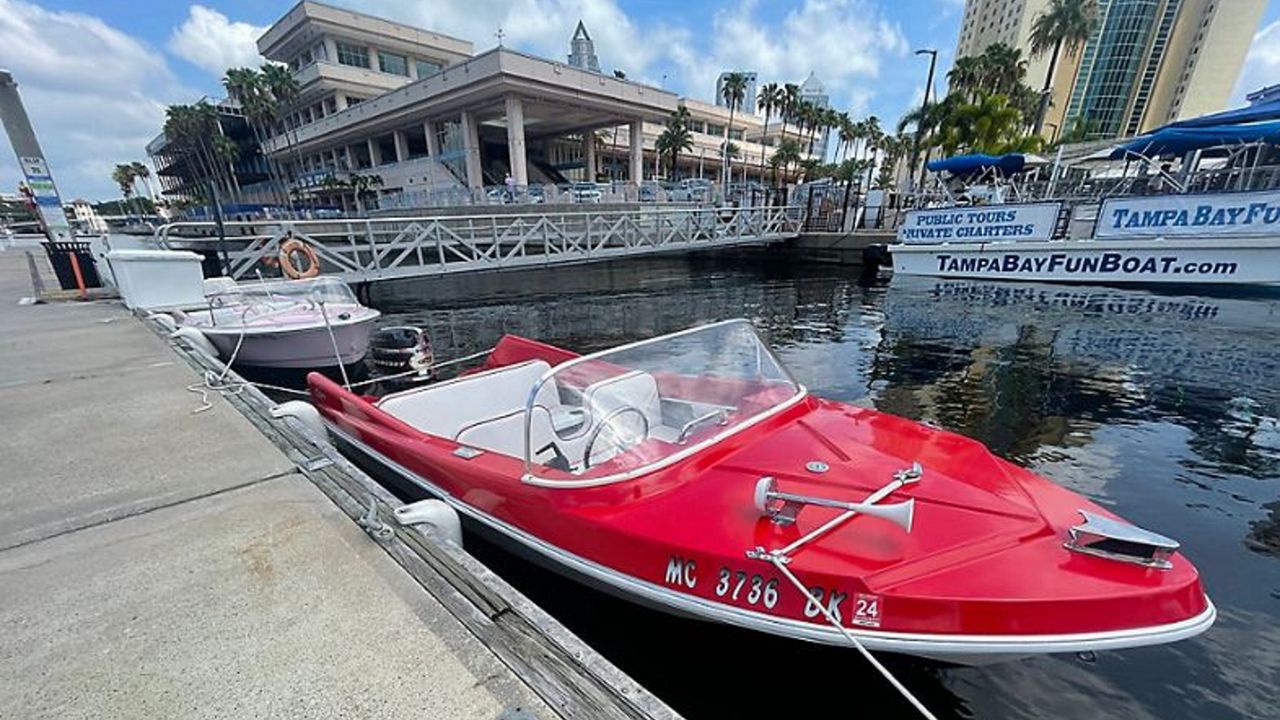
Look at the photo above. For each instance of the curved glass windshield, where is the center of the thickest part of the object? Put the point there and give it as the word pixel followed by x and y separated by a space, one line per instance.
pixel 618 413
pixel 328 290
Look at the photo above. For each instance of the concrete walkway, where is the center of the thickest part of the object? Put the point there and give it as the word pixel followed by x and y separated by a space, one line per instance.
pixel 156 563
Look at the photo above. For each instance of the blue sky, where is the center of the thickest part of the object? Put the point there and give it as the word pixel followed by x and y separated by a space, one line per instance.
pixel 96 74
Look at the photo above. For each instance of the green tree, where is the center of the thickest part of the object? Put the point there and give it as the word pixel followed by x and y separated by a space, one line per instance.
pixel 1064 24
pixel 733 91
pixel 787 154
pixel 122 176
pixel 675 139
pixel 770 101
pixel 362 187
pixel 789 106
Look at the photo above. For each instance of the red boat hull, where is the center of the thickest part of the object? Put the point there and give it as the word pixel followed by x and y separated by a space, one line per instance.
pixel 983 575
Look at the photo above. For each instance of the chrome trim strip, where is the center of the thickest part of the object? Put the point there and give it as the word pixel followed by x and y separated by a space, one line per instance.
pixel 929 645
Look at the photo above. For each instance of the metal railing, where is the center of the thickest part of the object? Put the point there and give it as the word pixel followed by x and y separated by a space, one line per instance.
pixel 360 250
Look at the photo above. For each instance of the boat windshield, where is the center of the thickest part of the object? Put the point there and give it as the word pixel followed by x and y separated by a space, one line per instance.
pixel 619 413
pixel 328 290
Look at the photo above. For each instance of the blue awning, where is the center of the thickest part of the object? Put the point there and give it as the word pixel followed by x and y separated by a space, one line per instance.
pixel 1173 141
pixel 962 165
pixel 1252 113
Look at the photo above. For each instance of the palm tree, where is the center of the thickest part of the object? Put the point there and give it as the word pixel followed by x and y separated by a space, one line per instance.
pixel 1065 24
pixel 123 177
pixel 790 105
pixel 675 139
pixel 1007 68
pixel 733 91
pixel 143 173
pixel 363 186
pixel 768 100
pixel 248 87
pixel 788 153
pixel 284 91
pixel 965 75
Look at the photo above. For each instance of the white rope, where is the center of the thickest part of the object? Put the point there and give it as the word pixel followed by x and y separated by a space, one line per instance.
pixel 217 381
pixel 777 561
pixel 780 558
pixel 337 354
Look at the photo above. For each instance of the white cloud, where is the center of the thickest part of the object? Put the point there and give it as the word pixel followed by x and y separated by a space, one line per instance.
pixel 1262 64
pixel 211 41
pixel 95 95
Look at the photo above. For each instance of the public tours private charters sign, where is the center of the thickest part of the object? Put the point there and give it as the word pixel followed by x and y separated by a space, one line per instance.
pixel 980 224
pixel 1170 216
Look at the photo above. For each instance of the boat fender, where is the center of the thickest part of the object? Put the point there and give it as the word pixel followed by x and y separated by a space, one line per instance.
pixel 165 321
pixel 435 513
pixel 196 340
pixel 294 245
pixel 305 413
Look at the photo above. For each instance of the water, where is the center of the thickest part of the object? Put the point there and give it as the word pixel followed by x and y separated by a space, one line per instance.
pixel 1161 407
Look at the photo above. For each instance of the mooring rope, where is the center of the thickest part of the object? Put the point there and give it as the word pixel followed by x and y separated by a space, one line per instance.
pixel 779 562
pixel 780 558
pixel 216 382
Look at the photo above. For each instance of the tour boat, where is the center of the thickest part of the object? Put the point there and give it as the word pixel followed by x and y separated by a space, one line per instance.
pixel 1202 224
pixel 691 473
pixel 297 324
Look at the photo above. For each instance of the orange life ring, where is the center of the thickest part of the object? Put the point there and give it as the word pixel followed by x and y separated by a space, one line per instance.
pixel 294 245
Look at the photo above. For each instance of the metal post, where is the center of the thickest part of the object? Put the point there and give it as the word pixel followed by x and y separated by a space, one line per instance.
pixel 808 212
pixel 222 231
pixel 915 156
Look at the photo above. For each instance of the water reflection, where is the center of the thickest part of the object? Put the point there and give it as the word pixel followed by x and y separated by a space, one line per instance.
pixel 1163 407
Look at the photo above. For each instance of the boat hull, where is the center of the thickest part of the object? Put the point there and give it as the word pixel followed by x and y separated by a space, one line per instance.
pixel 298 348
pixel 957 649
pixel 1182 261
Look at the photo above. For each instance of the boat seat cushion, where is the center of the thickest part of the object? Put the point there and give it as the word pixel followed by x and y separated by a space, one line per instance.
pixel 446 408
pixel 505 434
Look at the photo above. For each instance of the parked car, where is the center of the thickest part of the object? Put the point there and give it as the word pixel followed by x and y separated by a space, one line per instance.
pixel 585 192
pixel 650 191
pixel 692 190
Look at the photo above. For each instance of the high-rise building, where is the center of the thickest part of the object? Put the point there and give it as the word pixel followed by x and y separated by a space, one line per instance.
pixel 582 50
pixel 1147 62
pixel 748 94
pixel 812 90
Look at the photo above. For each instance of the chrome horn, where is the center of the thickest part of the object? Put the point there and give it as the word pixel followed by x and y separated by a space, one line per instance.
pixel 782 508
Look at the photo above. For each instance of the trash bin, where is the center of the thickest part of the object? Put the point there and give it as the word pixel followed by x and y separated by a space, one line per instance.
pixel 60 254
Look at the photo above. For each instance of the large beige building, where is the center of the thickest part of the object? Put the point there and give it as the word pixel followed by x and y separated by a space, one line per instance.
pixel 427 115
pixel 1147 63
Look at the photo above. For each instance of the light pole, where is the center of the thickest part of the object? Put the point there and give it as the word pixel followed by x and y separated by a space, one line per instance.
pixel 924 107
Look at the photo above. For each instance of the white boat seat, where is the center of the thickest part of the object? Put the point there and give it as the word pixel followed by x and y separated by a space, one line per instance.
pixel 636 389
pixel 447 408
pixel 505 434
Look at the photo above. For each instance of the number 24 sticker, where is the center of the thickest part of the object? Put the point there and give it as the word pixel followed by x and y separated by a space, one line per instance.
pixel 866 610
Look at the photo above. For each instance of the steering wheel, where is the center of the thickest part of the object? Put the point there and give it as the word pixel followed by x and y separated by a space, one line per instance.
pixel 620 439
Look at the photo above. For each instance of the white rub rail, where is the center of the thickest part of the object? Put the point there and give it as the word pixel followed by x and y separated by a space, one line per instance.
pixel 361 250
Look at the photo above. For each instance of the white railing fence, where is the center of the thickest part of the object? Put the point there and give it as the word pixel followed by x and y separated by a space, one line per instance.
pixel 360 250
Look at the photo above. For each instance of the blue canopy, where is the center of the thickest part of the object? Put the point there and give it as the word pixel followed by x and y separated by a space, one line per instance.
pixel 962 165
pixel 1251 113
pixel 1179 141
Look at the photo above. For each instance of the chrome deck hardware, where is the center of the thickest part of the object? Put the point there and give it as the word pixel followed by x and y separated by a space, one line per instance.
pixel 1116 540
pixel 783 508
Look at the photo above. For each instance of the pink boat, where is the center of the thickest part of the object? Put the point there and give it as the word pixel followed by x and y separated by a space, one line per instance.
pixel 286 324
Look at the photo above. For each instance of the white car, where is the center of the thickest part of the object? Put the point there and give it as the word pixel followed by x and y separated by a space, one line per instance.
pixel 585 192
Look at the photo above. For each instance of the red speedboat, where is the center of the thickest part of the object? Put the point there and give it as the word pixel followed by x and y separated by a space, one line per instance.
pixel 693 474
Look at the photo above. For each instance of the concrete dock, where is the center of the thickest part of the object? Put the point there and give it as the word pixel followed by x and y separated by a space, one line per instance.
pixel 160 563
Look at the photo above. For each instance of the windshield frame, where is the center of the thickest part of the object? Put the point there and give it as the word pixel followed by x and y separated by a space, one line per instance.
pixel 532 478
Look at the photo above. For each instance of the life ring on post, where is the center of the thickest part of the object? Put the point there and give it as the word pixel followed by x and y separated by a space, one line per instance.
pixel 294 245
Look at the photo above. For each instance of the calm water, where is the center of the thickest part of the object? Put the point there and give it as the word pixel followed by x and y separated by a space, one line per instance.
pixel 1161 407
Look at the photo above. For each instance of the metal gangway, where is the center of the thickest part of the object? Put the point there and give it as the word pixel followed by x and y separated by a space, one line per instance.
pixel 370 249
